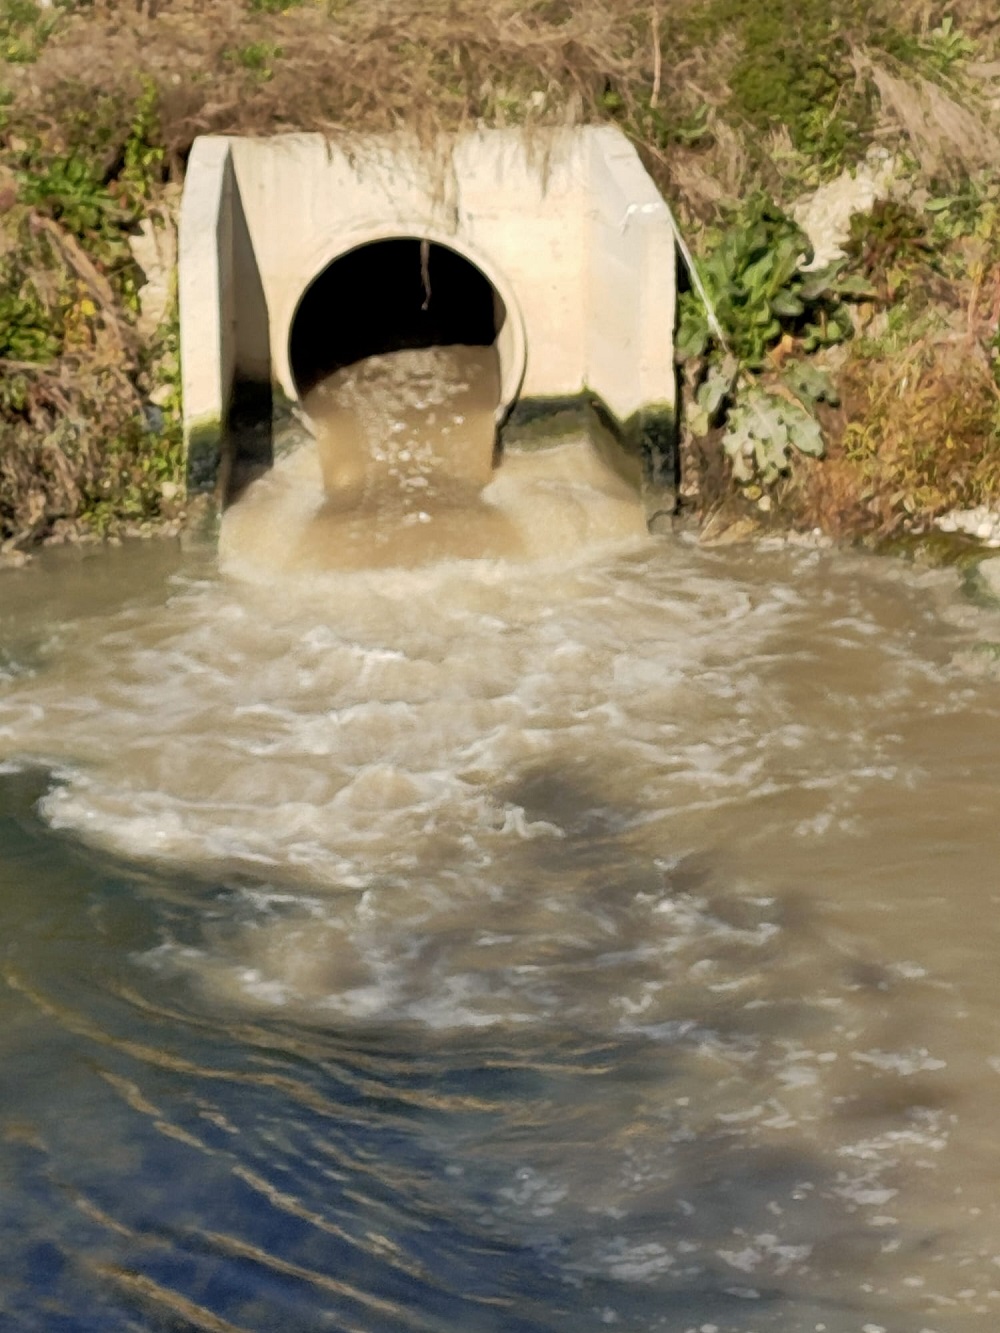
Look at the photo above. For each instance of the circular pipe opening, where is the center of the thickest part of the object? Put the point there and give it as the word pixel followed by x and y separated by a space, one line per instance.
pixel 401 292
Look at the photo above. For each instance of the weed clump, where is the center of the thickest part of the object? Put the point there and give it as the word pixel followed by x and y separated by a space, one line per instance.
pixel 890 245
pixel 794 70
pixel 917 435
pixel 79 448
pixel 24 29
pixel 747 330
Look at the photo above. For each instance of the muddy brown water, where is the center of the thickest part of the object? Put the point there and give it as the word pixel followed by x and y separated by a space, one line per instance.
pixel 403 475
pixel 601 934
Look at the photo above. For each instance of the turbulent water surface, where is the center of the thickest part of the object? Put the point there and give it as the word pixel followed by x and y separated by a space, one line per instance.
pixel 605 937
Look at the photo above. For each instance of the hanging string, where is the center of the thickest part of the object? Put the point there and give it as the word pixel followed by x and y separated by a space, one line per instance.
pixel 425 272
pixel 698 285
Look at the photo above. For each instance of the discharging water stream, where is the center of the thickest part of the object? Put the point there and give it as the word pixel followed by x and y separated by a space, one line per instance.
pixel 601 937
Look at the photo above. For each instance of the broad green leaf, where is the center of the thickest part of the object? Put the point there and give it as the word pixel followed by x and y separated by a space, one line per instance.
pixel 787 305
pixel 854 284
pixel 818 282
pixel 804 433
pixel 691 340
pixel 713 391
pixel 809 383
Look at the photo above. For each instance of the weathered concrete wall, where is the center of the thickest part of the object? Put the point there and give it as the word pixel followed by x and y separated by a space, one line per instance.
pixel 567 227
pixel 630 265
pixel 207 305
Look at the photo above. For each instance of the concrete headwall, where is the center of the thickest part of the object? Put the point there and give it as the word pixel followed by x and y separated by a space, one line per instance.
pixel 566 226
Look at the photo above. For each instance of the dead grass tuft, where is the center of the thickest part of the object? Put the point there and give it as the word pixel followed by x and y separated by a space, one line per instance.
pixel 946 136
pixel 917 434
pixel 427 64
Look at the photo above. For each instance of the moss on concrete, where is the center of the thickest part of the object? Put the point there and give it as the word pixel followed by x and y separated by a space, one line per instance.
pixel 204 448
pixel 642 449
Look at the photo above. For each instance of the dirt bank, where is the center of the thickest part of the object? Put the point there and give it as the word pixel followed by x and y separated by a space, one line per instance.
pixel 884 364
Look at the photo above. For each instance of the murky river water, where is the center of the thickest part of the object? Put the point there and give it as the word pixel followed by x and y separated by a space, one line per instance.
pixel 605 938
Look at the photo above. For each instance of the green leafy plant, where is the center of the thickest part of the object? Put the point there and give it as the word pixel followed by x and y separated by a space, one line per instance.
pixel 29 329
pixel 968 212
pixel 946 45
pixel 26 332
pixel 256 57
pixel 761 430
pixel 24 29
pixel 14 394
pixel 760 290
pixel 68 189
pixel 758 299
pixel 143 154
pixel 937 54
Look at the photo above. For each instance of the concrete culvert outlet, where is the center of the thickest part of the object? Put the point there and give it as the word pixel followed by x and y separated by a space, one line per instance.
pixel 298 258
pixel 391 294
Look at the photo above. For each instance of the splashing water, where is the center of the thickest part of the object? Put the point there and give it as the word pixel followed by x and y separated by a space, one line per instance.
pixel 402 474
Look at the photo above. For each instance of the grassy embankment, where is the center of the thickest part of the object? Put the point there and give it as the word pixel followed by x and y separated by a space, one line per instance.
pixel 887 363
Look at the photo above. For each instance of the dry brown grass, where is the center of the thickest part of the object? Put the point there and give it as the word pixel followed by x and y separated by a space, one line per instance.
pixel 53 465
pixel 350 67
pixel 425 64
pixel 944 134
pixel 917 434
pixel 354 67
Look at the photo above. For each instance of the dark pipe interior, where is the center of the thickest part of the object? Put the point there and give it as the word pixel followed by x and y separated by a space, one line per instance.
pixel 375 299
